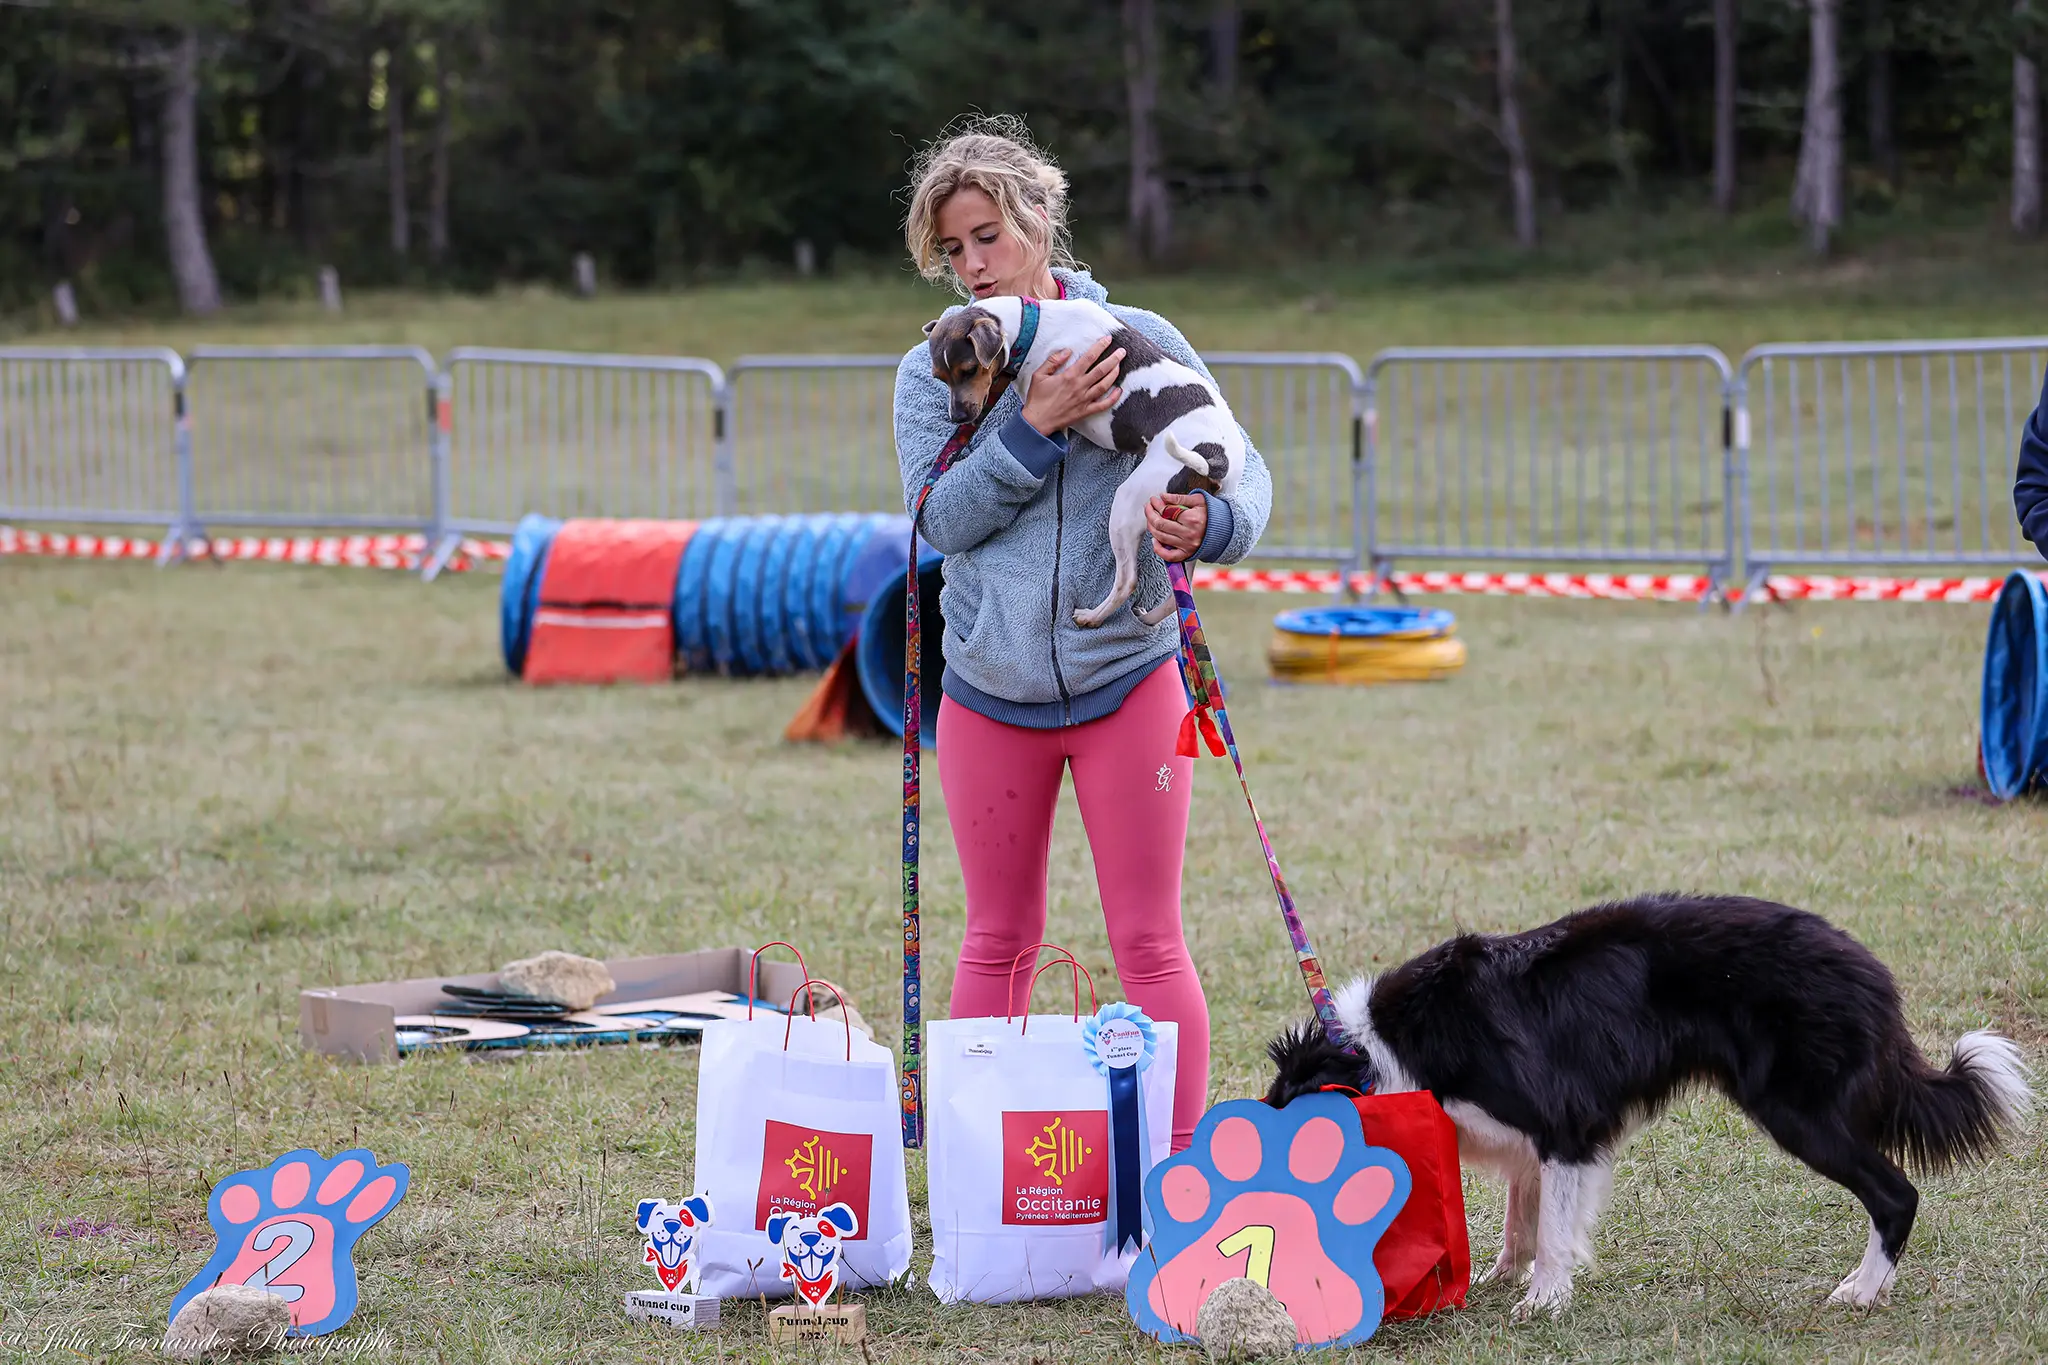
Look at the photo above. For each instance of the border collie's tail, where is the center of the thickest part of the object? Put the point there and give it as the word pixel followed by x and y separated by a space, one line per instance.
pixel 1941 1117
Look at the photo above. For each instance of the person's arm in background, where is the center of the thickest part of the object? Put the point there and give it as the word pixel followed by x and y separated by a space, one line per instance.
pixel 2030 485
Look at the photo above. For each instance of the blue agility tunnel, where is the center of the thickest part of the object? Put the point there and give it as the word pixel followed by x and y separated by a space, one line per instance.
pixel 880 658
pixel 2015 724
pixel 757 596
pixel 520 594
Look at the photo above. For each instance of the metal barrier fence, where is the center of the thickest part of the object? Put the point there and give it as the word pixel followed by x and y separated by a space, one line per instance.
pixel 813 433
pixel 1588 454
pixel 313 436
pixel 579 435
pixel 92 435
pixel 817 433
pixel 1305 413
pixel 1882 453
pixel 1806 454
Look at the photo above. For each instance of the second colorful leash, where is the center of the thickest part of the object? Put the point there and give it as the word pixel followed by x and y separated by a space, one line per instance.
pixel 1202 722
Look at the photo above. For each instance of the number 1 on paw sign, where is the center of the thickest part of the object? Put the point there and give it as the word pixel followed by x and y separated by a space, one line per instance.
pixel 1292 1199
pixel 292 1227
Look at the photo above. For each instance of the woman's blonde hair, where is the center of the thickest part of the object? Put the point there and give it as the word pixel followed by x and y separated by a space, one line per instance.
pixel 994 154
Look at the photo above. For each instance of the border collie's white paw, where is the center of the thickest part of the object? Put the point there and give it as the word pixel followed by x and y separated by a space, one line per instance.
pixel 1552 1298
pixel 1858 1294
pixel 1506 1270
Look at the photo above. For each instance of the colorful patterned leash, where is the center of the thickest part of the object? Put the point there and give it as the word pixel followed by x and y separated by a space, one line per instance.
pixel 1198 670
pixel 913 717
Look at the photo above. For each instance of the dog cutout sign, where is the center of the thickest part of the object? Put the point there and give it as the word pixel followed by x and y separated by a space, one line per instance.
pixel 291 1227
pixel 810 1246
pixel 1292 1198
pixel 671 1234
pixel 671 1239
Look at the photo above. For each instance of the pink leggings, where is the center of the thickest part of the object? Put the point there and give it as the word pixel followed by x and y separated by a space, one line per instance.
pixel 1001 783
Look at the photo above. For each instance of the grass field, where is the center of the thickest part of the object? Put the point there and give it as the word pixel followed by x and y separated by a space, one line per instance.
pixel 1729 285
pixel 224 784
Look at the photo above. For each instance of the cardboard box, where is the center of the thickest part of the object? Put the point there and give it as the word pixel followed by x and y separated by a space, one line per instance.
pixel 355 1022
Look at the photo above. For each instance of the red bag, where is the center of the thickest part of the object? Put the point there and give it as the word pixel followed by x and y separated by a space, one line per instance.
pixel 1423 1259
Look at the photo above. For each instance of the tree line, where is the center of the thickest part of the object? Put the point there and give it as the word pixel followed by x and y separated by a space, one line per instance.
pixel 196 148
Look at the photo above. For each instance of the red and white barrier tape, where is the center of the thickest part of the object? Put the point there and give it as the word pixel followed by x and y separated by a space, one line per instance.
pixel 404 552
pixel 1625 587
pixel 1823 588
pixel 358 552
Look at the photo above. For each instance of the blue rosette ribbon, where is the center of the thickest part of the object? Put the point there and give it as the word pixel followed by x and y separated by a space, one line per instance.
pixel 1121 1042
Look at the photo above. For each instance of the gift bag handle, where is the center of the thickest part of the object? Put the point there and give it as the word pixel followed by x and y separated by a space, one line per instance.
pixel 1079 972
pixel 790 1022
pixel 754 966
pixel 1017 965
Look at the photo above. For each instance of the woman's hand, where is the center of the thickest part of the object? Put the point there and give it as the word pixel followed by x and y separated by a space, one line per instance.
pixel 1063 394
pixel 1178 521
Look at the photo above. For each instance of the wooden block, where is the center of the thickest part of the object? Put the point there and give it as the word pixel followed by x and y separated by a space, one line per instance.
pixel 686 1312
pixel 799 1323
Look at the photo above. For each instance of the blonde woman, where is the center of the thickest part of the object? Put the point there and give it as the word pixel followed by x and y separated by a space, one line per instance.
pixel 1022 519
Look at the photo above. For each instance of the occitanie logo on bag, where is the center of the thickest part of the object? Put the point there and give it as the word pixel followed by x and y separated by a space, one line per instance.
pixel 1055 1167
pixel 805 1169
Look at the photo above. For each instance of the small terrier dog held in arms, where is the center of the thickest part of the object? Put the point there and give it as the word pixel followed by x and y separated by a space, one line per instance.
pixel 1170 416
pixel 1549 1049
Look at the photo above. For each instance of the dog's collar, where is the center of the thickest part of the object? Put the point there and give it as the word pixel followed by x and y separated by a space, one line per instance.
pixel 1027 333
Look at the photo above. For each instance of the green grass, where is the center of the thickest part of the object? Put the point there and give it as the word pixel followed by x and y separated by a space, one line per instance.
pixel 1637 279
pixel 222 785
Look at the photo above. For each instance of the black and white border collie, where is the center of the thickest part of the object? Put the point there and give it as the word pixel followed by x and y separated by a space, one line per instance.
pixel 1550 1048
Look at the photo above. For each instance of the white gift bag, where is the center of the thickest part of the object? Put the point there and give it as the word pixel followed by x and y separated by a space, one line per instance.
pixel 796 1115
pixel 1019 1145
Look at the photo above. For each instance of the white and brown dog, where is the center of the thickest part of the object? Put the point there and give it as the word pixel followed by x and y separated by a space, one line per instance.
pixel 1170 415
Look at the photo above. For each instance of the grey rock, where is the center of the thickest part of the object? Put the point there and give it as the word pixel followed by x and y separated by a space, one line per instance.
pixel 228 1320
pixel 1242 1320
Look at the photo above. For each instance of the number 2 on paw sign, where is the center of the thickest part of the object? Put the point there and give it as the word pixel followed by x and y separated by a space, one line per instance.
pixel 292 1227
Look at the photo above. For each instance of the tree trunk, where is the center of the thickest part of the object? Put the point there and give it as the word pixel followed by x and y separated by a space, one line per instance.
pixel 1224 31
pixel 298 198
pixel 1617 95
pixel 2026 139
pixel 1150 215
pixel 184 222
pixel 56 195
pixel 1817 190
pixel 1521 180
pixel 394 149
pixel 437 190
pixel 1877 90
pixel 1724 105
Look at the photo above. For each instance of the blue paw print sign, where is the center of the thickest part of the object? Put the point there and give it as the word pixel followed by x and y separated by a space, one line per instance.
pixel 292 1227
pixel 1292 1198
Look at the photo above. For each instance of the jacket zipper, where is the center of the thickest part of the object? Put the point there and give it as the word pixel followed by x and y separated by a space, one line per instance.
pixel 1059 526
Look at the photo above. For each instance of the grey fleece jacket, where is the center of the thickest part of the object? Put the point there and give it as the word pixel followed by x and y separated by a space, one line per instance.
pixel 1024 525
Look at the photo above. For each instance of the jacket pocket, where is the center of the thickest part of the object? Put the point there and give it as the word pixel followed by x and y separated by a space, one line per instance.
pixel 960 599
